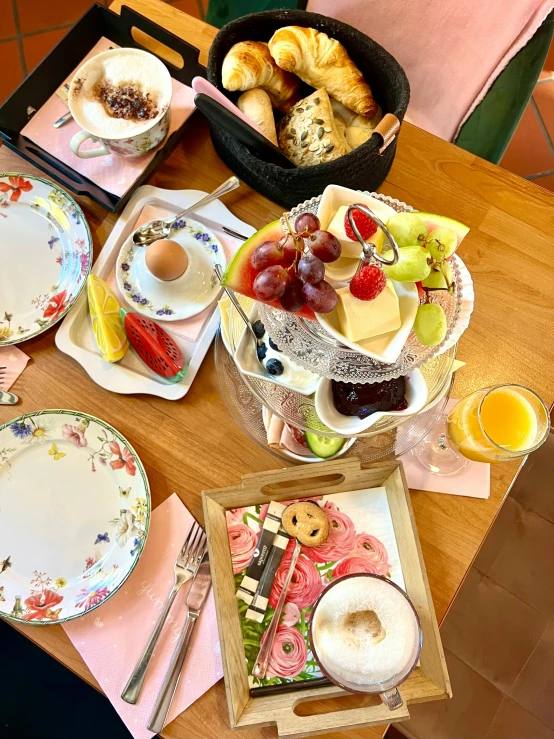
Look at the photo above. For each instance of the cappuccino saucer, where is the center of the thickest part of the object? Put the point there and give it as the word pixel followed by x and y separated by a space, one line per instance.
pixel 173 300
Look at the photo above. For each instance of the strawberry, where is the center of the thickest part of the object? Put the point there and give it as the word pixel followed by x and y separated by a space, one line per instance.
pixel 420 290
pixel 368 283
pixel 366 225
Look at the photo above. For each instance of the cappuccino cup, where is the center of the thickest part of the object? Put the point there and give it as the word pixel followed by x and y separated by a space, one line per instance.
pixel 121 99
pixel 366 636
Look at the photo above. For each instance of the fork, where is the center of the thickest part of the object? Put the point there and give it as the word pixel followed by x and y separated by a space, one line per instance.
pixel 186 565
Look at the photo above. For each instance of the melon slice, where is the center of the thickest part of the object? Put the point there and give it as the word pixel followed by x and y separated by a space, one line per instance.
pixel 433 221
pixel 239 275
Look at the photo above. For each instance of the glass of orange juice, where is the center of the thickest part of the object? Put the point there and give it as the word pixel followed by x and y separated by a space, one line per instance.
pixel 493 424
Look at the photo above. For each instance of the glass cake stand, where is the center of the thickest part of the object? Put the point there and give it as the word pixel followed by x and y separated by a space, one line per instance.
pixel 388 441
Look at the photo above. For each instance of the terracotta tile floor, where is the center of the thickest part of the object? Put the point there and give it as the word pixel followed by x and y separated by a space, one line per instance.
pixel 499 634
pixel 530 153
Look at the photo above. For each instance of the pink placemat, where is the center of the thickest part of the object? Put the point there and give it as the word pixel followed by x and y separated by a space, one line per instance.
pixel 112 173
pixel 474 481
pixel 111 638
pixel 15 361
pixel 189 328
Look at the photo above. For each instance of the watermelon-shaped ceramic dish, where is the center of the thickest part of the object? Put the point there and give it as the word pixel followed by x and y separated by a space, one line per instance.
pixel 154 346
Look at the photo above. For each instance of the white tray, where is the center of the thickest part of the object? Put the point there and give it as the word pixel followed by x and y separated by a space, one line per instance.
pixel 131 375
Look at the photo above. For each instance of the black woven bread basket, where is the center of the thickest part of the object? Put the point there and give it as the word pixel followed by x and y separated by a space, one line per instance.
pixel 363 168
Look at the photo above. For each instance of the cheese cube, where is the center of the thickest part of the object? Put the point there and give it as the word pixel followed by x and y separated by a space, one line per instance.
pixel 352 249
pixel 363 319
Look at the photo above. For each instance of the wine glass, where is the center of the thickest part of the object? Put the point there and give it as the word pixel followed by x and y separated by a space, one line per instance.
pixel 493 424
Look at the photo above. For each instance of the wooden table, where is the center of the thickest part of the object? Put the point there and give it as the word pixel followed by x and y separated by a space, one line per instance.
pixel 510 254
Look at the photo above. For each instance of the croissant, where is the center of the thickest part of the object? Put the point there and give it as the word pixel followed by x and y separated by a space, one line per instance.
pixel 249 64
pixel 321 61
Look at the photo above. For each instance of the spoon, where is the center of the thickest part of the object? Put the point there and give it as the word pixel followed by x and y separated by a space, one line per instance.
pixel 161 228
pixel 242 314
pixel 262 661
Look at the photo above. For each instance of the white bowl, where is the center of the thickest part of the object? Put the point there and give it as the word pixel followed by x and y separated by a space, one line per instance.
pixel 247 362
pixel 333 197
pixel 387 347
pixel 310 460
pixel 416 395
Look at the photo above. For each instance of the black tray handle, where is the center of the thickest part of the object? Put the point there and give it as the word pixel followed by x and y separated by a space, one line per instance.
pixel 192 68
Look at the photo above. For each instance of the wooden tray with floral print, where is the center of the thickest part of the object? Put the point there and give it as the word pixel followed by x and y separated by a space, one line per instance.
pixel 429 681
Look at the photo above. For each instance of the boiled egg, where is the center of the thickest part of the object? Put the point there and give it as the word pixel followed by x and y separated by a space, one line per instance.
pixel 166 259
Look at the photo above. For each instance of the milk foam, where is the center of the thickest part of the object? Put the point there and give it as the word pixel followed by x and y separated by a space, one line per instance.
pixel 358 656
pixel 118 69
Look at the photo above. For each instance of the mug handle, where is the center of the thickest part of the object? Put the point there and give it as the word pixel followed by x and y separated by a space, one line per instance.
pixel 392 699
pixel 80 139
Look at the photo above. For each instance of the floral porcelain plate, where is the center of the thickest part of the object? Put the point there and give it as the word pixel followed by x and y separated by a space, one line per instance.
pixel 45 255
pixel 74 514
pixel 177 299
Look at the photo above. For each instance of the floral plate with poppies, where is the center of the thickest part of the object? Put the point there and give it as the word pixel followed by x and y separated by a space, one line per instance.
pixel 184 297
pixel 45 255
pixel 74 515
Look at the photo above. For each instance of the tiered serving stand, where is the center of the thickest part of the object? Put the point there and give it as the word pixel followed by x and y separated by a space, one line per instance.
pixel 309 345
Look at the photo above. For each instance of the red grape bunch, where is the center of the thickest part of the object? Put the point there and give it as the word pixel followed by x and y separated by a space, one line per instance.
pixel 292 270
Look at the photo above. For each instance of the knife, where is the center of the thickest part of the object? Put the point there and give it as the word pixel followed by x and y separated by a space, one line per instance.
pixel 196 598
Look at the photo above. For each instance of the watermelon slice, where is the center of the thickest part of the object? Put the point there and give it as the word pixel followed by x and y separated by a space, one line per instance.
pixel 154 346
pixel 433 221
pixel 240 274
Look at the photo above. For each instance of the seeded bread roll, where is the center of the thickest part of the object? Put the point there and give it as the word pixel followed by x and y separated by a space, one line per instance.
pixel 256 105
pixel 308 134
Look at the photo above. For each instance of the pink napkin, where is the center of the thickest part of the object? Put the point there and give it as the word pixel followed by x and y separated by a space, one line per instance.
pixel 15 361
pixel 111 638
pixel 474 481
pixel 188 328
pixel 112 173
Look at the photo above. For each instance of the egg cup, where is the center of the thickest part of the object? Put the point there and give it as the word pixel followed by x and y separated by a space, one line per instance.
pixel 184 297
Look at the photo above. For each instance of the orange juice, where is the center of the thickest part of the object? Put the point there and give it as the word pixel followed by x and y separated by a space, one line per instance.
pixel 502 415
pixel 509 419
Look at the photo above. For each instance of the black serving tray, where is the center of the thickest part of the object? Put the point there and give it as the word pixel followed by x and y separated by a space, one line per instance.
pixel 43 82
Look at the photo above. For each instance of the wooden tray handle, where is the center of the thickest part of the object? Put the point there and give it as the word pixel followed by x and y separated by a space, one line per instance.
pixel 285 482
pixel 292 726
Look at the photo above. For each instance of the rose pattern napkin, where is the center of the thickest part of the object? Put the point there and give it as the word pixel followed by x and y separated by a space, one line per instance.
pixel 361 539
pixel 188 328
pixel 111 638
pixel 474 481
pixel 112 173
pixel 15 361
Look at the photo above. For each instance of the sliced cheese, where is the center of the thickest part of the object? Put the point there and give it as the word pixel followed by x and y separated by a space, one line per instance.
pixel 353 249
pixel 362 319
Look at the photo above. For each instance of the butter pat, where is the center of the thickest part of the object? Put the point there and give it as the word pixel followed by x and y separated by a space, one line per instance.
pixel 353 249
pixel 363 319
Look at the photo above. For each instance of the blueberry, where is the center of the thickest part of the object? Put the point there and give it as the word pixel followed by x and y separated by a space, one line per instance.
pixel 274 346
pixel 364 412
pixel 274 367
pixel 262 351
pixel 259 329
